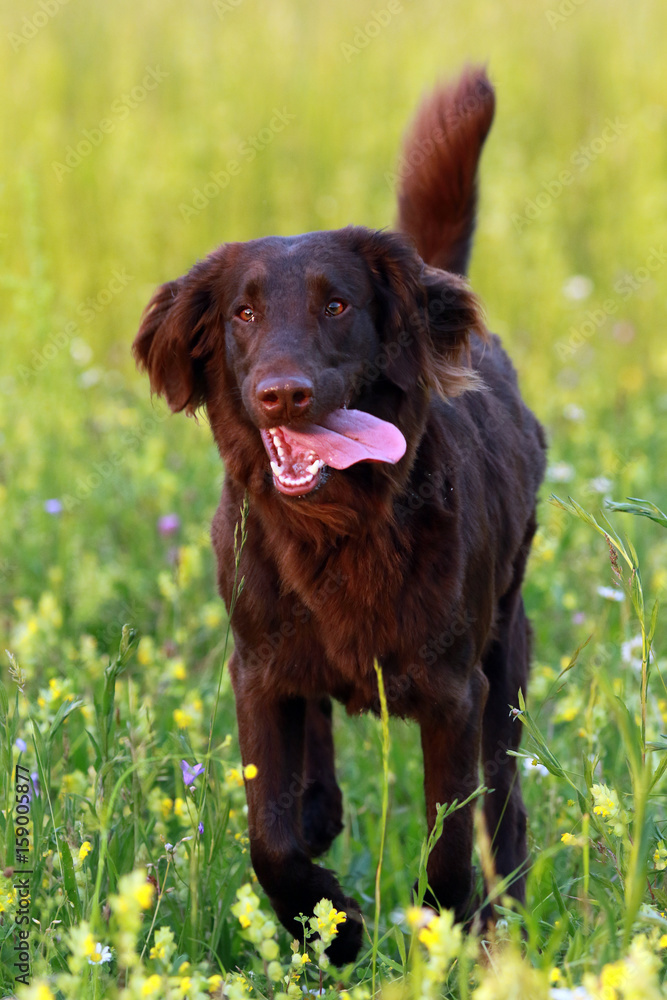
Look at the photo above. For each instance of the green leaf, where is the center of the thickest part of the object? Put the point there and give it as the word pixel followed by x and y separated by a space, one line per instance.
pixel 4 700
pixel 575 656
pixel 640 508
pixel 98 758
pixel 40 753
pixel 69 878
pixel 65 709
pixel 559 899
pixel 400 944
pixel 654 621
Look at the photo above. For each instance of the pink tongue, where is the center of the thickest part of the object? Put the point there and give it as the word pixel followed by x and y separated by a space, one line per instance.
pixel 348 436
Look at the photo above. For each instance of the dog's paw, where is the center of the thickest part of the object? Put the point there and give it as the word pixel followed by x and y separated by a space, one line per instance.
pixel 345 946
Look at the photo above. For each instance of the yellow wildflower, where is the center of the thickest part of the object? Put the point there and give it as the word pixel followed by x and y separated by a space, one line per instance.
pixel 182 718
pixel 56 690
pixel 607 805
pixel 660 857
pixel 164 946
pixel 234 777
pixel 39 991
pixel 145 650
pixel 152 985
pixel 135 894
pixel 178 671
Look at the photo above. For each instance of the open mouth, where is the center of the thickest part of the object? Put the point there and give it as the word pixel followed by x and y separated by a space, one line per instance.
pixel 294 472
pixel 341 439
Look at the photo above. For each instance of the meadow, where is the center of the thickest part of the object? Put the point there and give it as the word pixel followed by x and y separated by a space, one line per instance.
pixel 135 137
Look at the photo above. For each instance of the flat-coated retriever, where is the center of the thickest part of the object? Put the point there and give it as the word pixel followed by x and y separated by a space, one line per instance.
pixel 391 469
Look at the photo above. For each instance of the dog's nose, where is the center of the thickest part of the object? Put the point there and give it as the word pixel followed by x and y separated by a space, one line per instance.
pixel 283 399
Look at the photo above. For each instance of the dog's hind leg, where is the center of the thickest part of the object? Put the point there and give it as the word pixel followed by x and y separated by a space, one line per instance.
pixel 322 809
pixel 506 665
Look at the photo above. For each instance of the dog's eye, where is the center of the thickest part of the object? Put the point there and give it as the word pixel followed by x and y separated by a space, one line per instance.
pixel 246 314
pixel 335 308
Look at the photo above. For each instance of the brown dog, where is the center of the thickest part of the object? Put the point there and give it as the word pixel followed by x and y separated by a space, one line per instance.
pixel 391 469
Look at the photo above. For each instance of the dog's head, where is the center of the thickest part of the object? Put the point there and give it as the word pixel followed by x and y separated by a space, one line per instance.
pixel 307 348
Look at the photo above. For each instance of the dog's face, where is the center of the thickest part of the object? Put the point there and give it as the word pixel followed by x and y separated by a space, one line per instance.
pixel 310 341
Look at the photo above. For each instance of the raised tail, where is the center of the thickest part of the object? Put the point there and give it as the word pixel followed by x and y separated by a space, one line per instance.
pixel 437 177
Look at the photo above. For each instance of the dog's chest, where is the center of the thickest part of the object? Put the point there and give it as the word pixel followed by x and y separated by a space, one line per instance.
pixel 351 592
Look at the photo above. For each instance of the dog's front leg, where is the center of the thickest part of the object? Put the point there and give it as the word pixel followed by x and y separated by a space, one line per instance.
pixel 271 735
pixel 451 747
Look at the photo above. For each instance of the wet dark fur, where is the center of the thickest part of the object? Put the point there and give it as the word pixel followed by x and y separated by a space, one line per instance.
pixel 418 565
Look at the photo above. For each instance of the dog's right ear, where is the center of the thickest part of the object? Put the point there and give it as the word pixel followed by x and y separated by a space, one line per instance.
pixel 175 338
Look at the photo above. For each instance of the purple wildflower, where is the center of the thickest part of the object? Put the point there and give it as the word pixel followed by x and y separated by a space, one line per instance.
pixel 21 744
pixel 168 524
pixel 53 506
pixel 34 778
pixel 190 773
pixel 200 828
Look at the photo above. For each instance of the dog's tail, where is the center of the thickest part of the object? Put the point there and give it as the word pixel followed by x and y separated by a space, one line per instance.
pixel 437 178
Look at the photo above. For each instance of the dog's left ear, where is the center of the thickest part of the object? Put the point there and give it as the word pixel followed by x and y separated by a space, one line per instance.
pixel 425 316
pixel 174 339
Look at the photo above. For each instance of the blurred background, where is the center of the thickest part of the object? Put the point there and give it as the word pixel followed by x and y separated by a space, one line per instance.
pixel 137 136
pixel 119 126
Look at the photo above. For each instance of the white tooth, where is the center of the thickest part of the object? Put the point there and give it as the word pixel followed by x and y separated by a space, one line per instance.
pixel 281 451
pixel 275 468
pixel 312 469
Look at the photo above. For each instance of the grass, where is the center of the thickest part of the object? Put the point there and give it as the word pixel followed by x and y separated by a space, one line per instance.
pixel 570 263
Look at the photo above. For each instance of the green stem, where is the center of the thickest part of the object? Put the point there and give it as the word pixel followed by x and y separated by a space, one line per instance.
pixel 384 714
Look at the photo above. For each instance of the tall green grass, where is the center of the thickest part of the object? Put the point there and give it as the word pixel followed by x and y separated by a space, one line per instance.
pixel 573 277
